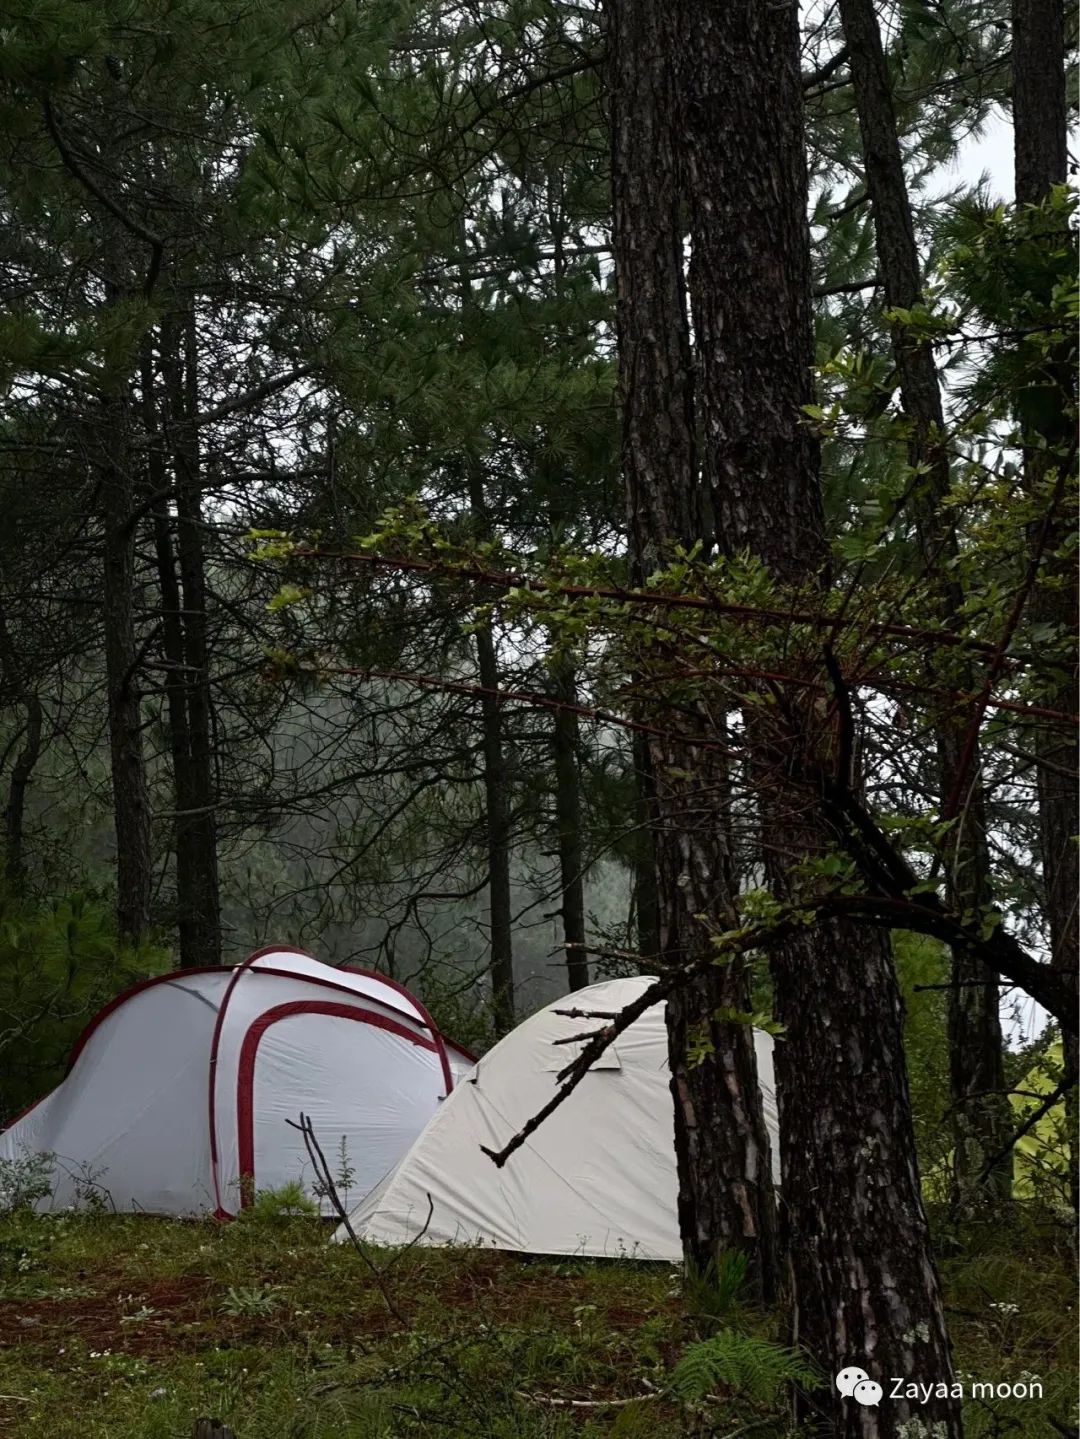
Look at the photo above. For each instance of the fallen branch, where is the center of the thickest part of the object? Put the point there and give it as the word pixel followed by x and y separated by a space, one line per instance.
pixel 325 1182
pixel 556 1403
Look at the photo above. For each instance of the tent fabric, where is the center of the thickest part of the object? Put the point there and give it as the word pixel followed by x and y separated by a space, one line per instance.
pixel 597 1178
pixel 179 1092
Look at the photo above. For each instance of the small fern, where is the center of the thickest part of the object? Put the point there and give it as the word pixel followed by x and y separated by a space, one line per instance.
pixel 743 1362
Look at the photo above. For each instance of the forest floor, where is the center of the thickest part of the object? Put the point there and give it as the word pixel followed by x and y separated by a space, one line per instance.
pixel 116 1327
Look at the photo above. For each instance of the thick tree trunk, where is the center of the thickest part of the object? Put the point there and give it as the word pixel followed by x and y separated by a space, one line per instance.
pixel 1040 139
pixel 864 1287
pixel 980 1108
pixel 568 826
pixel 725 1185
pixel 1040 126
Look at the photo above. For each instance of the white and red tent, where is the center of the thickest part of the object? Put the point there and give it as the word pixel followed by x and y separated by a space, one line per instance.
pixel 179 1092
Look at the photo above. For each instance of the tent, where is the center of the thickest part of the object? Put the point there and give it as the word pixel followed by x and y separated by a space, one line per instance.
pixel 178 1092
pixel 597 1177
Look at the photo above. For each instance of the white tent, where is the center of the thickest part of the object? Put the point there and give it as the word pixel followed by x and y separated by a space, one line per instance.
pixel 185 1083
pixel 596 1178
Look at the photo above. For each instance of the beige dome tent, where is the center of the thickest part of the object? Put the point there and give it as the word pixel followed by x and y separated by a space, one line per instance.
pixel 598 1176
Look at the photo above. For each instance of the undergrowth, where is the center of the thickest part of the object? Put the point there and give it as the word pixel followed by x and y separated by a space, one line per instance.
pixel 124 1327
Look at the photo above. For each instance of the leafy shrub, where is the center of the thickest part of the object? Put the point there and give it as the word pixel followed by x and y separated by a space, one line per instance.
pixel 24 1180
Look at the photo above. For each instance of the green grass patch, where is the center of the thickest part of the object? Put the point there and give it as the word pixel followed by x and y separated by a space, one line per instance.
pixel 115 1327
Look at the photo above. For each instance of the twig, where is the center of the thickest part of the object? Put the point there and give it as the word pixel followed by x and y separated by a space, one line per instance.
pixel 570 1077
pixel 1000 654
pixel 584 1403
pixel 1033 1118
pixel 73 163
pixel 578 1038
pixel 326 1183
pixel 511 580
pixel 587 1013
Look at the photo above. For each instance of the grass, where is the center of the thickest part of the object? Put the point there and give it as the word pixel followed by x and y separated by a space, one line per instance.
pixel 116 1327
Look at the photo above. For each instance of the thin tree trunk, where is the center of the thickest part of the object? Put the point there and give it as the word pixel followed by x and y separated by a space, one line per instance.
pixel 864 1286
pixel 721 1145
pixel 496 780
pixel 131 800
pixel 979 1106
pixel 193 953
pixel 198 896
pixel 13 691
pixel 15 809
pixel 565 742
pixel 497 809
pixel 1040 140
pixel 565 729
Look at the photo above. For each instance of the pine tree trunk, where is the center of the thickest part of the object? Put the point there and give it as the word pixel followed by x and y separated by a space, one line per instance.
pixel 1040 140
pixel 496 783
pixel 725 1184
pixel 864 1286
pixel 195 842
pixel 199 904
pixel 15 809
pixel 116 465
pixel 497 816
pixel 131 801
pixel 980 1108
pixel 568 826
pixel 1040 127
pixel 14 692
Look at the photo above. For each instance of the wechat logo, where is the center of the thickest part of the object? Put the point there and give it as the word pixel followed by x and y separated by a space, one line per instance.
pixel 856 1384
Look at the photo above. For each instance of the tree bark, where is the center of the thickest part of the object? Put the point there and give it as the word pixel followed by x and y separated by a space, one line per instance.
pixel 1040 115
pixel 198 896
pixel 725 1184
pixel 980 1107
pixel 565 743
pixel 15 691
pixel 195 842
pixel 15 809
pixel 131 801
pixel 496 780
pixel 864 1286
pixel 1040 139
